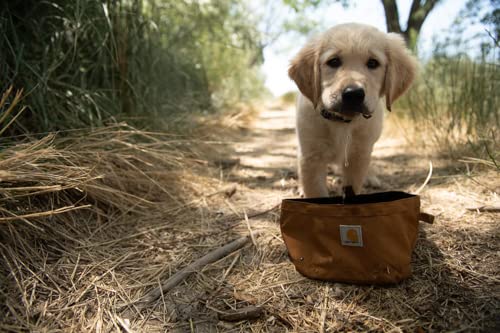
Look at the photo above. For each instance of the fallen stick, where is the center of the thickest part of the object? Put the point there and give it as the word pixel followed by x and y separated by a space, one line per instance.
pixel 492 209
pixel 124 324
pixel 232 219
pixel 429 175
pixel 43 214
pixel 180 276
pixel 248 313
pixel 323 311
pixel 228 191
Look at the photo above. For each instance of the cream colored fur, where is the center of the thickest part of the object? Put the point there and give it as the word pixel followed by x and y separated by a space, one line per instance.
pixel 349 145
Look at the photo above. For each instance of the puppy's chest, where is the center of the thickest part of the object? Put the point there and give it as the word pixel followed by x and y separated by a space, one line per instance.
pixel 334 145
pixel 341 141
pixel 338 137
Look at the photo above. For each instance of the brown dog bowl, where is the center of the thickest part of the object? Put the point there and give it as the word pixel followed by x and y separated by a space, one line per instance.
pixel 366 239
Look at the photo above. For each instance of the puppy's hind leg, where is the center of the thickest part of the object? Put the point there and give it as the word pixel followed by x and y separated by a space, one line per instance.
pixel 312 176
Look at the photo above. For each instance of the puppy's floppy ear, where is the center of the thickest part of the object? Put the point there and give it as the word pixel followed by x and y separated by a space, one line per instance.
pixel 401 69
pixel 304 70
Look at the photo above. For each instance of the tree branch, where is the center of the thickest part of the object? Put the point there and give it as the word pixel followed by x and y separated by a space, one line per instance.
pixel 392 15
pixel 415 6
pixel 417 16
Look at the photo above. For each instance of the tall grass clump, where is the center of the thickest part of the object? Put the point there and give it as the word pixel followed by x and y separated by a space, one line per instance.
pixel 90 62
pixel 456 105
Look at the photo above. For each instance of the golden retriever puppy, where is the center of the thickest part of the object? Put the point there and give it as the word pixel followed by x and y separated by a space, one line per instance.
pixel 343 76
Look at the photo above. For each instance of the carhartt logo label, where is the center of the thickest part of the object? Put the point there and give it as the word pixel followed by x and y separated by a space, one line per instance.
pixel 351 235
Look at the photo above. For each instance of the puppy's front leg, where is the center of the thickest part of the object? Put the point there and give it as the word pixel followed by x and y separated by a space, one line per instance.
pixel 356 168
pixel 312 176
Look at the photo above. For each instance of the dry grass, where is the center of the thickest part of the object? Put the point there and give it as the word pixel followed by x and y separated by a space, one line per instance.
pixel 94 221
pixel 481 145
pixel 69 208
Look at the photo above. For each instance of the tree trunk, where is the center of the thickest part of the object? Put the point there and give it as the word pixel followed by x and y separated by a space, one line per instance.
pixel 418 13
pixel 391 16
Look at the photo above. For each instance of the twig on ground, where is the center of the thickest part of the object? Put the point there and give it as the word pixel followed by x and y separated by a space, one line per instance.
pixel 247 313
pixel 42 214
pixel 228 191
pixel 472 272
pixel 228 270
pixel 124 324
pixel 237 218
pixel 490 209
pixel 249 228
pixel 178 277
pixel 429 175
pixel 323 310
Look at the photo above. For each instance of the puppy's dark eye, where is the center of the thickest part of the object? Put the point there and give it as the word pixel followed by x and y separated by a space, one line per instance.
pixel 334 62
pixel 372 63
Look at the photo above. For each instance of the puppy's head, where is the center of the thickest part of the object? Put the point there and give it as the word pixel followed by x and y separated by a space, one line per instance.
pixel 345 71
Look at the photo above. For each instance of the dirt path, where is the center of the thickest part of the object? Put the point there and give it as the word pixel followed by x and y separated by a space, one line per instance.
pixel 456 262
pixel 268 151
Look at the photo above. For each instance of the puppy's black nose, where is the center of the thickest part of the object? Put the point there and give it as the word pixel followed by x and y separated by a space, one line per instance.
pixel 353 96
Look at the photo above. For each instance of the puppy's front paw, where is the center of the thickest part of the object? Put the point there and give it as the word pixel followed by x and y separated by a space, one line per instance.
pixel 373 182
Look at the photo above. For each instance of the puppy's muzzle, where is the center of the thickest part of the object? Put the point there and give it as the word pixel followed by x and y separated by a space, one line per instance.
pixel 351 103
pixel 353 98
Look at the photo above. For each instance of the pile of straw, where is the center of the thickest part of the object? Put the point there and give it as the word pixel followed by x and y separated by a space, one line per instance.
pixel 72 205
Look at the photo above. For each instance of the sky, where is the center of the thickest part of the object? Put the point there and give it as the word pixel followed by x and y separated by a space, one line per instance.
pixel 278 55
